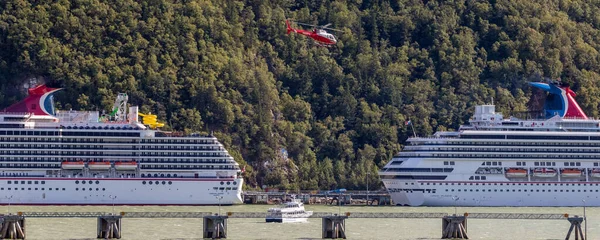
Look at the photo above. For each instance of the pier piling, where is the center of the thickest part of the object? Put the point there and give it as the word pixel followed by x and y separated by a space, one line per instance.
pixel 575 224
pixel 334 226
pixel 215 227
pixel 13 227
pixel 454 227
pixel 109 227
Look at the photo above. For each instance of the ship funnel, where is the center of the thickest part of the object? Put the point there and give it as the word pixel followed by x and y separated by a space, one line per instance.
pixel 560 101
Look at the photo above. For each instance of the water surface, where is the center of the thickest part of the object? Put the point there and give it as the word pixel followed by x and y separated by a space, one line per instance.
pixel 85 228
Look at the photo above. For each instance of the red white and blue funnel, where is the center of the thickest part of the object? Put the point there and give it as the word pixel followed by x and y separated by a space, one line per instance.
pixel 39 102
pixel 560 101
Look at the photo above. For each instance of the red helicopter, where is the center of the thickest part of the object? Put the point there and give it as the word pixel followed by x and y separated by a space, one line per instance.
pixel 321 37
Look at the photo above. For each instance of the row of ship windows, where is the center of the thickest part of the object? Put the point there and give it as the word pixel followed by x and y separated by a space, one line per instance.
pixel 225 188
pixel 27 182
pixel 108 153
pixel 510 143
pixel 186 167
pixel 65 133
pixel 103 189
pixel 98 140
pixel 49 189
pixel 513 184
pixel 38 165
pixel 413 154
pixel 519 190
pixel 530 137
pixel 143 160
pixel 106 147
pixel 569 150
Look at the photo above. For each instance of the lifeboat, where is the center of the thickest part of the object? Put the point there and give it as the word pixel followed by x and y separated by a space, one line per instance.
pixel 126 166
pixel 78 165
pixel 516 172
pixel 99 165
pixel 544 172
pixel 596 172
pixel 570 173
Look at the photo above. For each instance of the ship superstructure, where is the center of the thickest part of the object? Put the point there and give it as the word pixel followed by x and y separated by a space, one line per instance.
pixel 85 158
pixel 553 160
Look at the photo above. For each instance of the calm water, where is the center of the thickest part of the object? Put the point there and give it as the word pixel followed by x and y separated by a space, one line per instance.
pixel 85 228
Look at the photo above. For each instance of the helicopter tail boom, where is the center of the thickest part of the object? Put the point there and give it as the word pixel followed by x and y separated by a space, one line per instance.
pixel 289 28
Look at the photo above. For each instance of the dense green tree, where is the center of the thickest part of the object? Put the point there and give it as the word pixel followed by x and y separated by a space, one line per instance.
pixel 297 115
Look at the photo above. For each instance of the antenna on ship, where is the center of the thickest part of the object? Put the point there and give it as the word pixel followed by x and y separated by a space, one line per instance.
pixel 492 100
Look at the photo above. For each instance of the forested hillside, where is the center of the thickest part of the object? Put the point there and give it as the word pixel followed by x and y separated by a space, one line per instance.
pixel 302 116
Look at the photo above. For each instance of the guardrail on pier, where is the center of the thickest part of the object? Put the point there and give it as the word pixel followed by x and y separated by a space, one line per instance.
pixel 315 215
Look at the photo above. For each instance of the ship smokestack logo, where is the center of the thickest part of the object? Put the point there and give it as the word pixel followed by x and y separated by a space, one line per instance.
pixel 39 102
pixel 560 101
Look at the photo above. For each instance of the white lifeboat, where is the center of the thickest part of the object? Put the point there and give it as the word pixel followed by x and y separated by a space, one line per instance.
pixel 78 165
pixel 570 173
pixel 516 172
pixel 126 166
pixel 596 173
pixel 99 165
pixel 544 172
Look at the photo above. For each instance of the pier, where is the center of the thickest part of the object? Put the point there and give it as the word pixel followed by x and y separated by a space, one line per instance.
pixel 215 226
pixel 314 197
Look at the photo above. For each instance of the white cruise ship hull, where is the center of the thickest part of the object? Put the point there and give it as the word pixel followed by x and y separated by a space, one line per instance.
pixel 120 191
pixel 494 194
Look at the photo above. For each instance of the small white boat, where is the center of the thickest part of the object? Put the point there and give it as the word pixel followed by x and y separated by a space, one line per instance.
pixel 126 166
pixel 289 212
pixel 99 165
pixel 544 172
pixel 72 165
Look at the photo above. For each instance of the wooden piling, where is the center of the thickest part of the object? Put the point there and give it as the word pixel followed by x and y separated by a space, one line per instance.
pixel 334 226
pixel 575 224
pixel 454 227
pixel 109 227
pixel 215 227
pixel 13 227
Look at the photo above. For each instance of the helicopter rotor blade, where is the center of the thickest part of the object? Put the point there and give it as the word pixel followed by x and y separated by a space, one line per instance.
pixel 305 24
pixel 326 25
pixel 333 29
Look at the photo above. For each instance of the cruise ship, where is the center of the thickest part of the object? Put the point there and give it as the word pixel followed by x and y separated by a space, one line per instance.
pixel 552 159
pixel 50 157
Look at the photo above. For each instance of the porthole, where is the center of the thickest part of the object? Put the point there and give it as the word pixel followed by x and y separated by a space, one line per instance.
pixel 155 175
pixel 97 189
pixel 163 182
pixel 156 182
pixel 90 189
pixel 144 182
pixel 174 175
pixel 83 189
pixel 82 182
pixel 222 183
pixel 150 182
pixel 76 189
pixel 169 175
pixel 97 182
pixel 172 183
pixel 234 183
pixel 228 183
pixel 103 189
pixel 77 182
pixel 143 175
pixel 90 182
pixel 162 175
